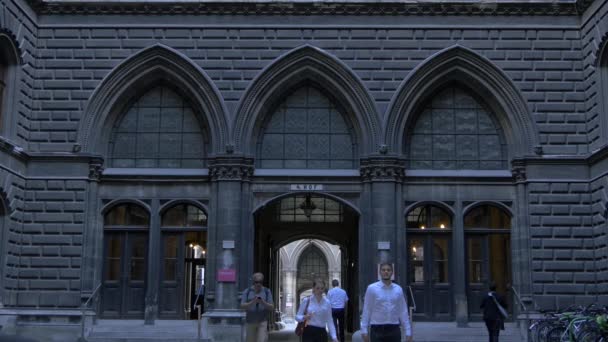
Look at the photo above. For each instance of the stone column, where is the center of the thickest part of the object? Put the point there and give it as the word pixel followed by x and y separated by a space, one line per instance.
pixel 382 176
pixel 225 321
pixel 520 237
pixel 228 173
pixel 92 252
pixel 458 252
pixel 289 288
pixel 152 280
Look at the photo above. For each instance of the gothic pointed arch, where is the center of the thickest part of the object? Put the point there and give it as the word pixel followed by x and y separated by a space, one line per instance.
pixel 155 64
pixel 306 63
pixel 462 65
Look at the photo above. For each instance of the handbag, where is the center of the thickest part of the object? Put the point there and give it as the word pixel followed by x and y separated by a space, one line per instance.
pixel 503 311
pixel 301 325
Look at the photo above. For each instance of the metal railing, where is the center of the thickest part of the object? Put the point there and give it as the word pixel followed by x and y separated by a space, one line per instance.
pixel 198 309
pixel 82 310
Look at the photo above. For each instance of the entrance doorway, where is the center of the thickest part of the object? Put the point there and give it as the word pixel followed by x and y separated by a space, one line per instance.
pixel 125 262
pixel 310 217
pixel 429 249
pixel 183 253
pixel 488 253
pixel 179 269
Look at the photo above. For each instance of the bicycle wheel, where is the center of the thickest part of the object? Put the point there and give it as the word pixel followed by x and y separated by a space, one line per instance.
pixel 542 330
pixel 588 336
pixel 589 332
pixel 556 334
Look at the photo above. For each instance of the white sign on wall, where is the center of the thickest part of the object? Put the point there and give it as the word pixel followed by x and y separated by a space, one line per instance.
pixel 306 187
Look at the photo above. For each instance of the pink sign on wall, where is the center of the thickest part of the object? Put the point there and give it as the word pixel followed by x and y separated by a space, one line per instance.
pixel 226 275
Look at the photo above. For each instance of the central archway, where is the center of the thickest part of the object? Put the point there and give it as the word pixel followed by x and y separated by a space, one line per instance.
pixel 321 219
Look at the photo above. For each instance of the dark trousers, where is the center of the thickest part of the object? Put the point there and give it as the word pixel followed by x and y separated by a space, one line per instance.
pixel 314 334
pixel 385 333
pixel 493 329
pixel 338 316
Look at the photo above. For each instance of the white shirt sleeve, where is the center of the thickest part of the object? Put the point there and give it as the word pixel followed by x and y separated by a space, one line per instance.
pixel 367 307
pixel 300 314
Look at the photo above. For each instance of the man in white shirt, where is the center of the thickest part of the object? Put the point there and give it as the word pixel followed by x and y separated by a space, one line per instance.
pixel 385 311
pixel 338 298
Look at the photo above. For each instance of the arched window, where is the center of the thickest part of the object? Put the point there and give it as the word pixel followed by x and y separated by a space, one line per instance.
pixel 456 131
pixel 306 131
pixel 429 217
pixel 312 265
pixel 125 261
pixel 486 217
pixel 309 208
pixel 159 130
pixel 184 215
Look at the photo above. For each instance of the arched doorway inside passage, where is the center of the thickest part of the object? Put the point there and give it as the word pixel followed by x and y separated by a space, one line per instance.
pixel 308 216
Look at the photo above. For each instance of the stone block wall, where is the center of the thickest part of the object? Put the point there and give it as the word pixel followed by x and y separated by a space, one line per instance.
pixel 562 244
pixel 599 198
pixel 545 64
pixel 65 60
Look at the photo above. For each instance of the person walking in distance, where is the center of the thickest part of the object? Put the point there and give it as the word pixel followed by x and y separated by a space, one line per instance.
pixel 338 298
pixel 491 313
pixel 315 311
pixel 385 311
pixel 257 301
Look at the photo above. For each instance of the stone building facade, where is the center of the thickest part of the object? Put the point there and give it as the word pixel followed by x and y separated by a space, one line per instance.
pixel 150 147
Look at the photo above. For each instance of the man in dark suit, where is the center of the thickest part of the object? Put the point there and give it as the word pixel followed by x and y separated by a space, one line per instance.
pixel 491 313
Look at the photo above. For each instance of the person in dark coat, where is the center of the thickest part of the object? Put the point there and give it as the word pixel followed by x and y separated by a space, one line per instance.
pixel 491 315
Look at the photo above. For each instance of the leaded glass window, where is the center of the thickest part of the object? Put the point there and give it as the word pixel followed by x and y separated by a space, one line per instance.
pixel 306 131
pixel 429 217
pixel 160 130
pixel 184 215
pixel 487 217
pixel 312 265
pixel 308 208
pixel 127 214
pixel 455 131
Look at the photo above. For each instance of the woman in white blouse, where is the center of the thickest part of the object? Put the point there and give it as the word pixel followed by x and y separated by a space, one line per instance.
pixel 317 315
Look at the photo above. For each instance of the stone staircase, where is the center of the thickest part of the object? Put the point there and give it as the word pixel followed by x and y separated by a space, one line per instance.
pixel 428 332
pixel 186 331
pixel 136 331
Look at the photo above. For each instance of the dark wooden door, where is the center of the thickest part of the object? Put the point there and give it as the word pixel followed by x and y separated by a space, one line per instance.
pixel 125 268
pixel 171 276
pixel 429 276
pixel 488 259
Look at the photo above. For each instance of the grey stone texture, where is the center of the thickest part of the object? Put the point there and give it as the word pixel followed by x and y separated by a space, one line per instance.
pixel 51 190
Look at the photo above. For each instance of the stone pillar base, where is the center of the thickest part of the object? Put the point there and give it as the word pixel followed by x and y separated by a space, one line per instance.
pixel 223 325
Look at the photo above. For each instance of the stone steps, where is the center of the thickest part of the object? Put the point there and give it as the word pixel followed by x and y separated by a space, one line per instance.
pixel 186 331
pixel 137 331
pixel 428 332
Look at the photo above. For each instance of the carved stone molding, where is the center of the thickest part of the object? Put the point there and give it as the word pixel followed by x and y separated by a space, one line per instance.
pixel 518 170
pixel 95 169
pixel 382 169
pixel 231 168
pixel 311 8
